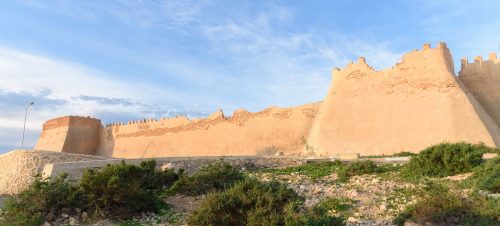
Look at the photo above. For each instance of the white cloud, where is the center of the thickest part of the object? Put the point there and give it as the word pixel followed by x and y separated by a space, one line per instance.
pixel 264 64
pixel 62 88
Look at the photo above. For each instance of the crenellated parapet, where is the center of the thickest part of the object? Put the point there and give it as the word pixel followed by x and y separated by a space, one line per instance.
pixel 482 79
pixel 66 121
pixel 425 69
pixel 414 104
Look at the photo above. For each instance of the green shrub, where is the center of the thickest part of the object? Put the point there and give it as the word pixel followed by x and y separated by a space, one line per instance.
pixel 120 190
pixel 214 177
pixel 437 205
pixel 123 190
pixel 42 200
pixel 250 202
pixel 158 179
pixel 358 168
pixel 446 159
pixel 487 176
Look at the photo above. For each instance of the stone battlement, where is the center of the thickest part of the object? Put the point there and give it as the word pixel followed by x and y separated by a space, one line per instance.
pixel 492 58
pixel 482 79
pixel 239 116
pixel 71 121
pixel 423 61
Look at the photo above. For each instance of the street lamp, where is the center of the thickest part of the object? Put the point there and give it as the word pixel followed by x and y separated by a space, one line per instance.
pixel 24 127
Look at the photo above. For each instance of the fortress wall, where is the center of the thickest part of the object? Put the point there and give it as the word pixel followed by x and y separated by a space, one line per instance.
pixel 245 133
pixel 415 104
pixel 482 79
pixel 70 134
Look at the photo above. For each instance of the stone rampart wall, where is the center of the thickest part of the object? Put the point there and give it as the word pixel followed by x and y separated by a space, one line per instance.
pixel 267 132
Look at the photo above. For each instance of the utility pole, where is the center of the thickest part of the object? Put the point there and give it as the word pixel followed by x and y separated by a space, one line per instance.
pixel 24 127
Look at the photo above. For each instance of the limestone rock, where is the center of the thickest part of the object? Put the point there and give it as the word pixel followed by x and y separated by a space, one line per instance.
pixel 73 221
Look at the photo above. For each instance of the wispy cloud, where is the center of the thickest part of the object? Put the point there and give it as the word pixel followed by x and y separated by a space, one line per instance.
pixel 61 88
pixel 138 59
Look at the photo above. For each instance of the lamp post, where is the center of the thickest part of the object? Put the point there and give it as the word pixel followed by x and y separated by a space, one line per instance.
pixel 24 127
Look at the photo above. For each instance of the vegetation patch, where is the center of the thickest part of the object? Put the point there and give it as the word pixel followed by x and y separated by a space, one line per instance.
pixel 437 205
pixel 362 167
pixel 125 189
pixel 446 159
pixel 251 202
pixel 44 199
pixel 487 176
pixel 119 191
pixel 344 171
pixel 297 215
pixel 312 170
pixel 335 206
pixel 399 154
pixel 214 177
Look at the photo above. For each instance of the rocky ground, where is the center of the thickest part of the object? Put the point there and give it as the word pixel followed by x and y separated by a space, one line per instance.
pixel 372 199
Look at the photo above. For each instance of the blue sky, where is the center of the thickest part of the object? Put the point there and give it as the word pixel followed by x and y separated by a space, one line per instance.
pixel 125 60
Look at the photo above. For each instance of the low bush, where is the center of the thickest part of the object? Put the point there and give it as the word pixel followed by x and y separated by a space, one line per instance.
pixel 41 201
pixel 446 159
pixel 251 202
pixel 214 177
pixel 358 168
pixel 123 190
pixel 487 176
pixel 438 206
pixel 120 190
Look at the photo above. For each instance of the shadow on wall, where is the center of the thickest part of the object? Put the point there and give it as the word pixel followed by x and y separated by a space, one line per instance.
pixel 482 80
pixel 106 148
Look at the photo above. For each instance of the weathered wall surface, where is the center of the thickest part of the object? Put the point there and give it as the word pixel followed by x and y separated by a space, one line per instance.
pixel 70 134
pixel 245 133
pixel 482 79
pixel 18 168
pixel 415 104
